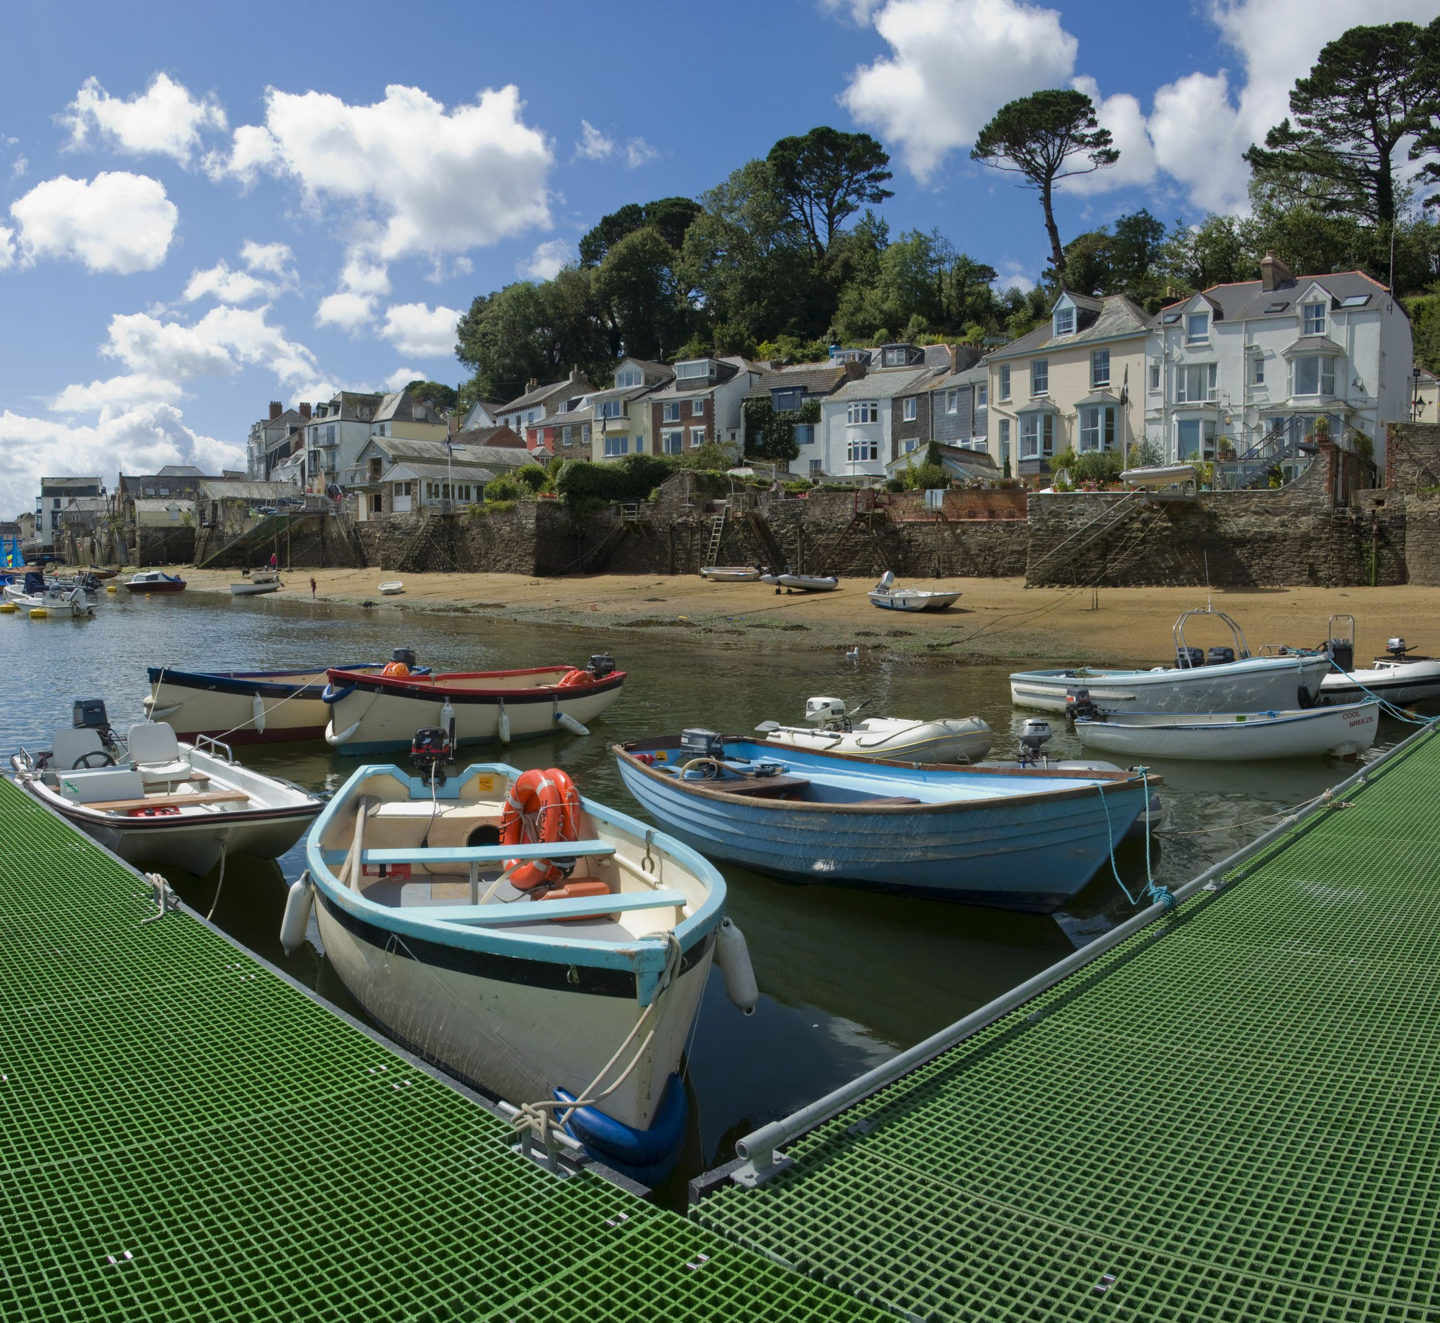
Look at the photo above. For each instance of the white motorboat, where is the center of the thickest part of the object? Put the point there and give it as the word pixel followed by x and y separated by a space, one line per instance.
pixel 391 588
pixel 1226 679
pixel 156 802
pixel 886 595
pixel 262 581
pixel 730 573
pixel 831 730
pixel 534 943
pixel 1159 475
pixel 801 583
pixel 1342 731
pixel 1396 677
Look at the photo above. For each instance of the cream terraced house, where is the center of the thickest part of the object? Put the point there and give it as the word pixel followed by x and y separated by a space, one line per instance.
pixel 1074 382
pixel 1256 364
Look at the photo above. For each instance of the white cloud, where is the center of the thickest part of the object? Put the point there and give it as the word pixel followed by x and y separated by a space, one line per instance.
pixel 128 391
pixel 638 152
pixel 117 222
pixel 1199 141
pixel 953 64
pixel 401 378
pixel 166 119
pixel 19 167
pixel 140 439
pixel 1012 274
pixel 415 328
pixel 227 285
pixel 410 177
pixel 349 312
pixel 7 247
pixel 272 258
pixel 859 11
pixel 593 145
pixel 1121 114
pixel 545 262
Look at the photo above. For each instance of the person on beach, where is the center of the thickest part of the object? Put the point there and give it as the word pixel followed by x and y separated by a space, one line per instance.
pixel 312 587
pixel 274 562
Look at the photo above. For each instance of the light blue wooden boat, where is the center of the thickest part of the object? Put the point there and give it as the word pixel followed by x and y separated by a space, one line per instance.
pixel 1021 838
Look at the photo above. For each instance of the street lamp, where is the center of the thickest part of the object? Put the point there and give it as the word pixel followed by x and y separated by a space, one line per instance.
pixel 1416 403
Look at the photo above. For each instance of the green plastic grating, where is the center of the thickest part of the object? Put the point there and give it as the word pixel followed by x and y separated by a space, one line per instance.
pixel 1233 1115
pixel 183 1134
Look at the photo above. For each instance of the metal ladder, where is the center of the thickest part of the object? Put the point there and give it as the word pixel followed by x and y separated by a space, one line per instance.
pixel 717 533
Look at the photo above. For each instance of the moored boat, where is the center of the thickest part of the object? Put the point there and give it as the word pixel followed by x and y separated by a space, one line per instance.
pixel 157 802
pixel 262 581
pixel 831 730
pixel 535 943
pixel 1224 679
pixel 885 594
pixel 1342 731
pixel 1024 838
pixel 801 583
pixel 391 588
pixel 1398 677
pixel 730 573
pixel 155 581
pixel 372 713
pixel 252 707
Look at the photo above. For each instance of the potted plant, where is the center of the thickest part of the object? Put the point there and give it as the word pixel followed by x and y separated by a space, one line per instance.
pixel 1224 449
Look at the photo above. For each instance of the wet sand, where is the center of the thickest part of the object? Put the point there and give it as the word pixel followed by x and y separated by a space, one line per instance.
pixel 994 620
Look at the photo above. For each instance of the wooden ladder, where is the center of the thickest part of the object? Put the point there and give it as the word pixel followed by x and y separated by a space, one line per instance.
pixel 717 534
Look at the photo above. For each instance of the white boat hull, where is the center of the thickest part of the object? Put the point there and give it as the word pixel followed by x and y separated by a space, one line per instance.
pixel 802 583
pixel 730 573
pixel 1236 737
pixel 1409 681
pixel 1255 684
pixel 958 740
pixel 912 599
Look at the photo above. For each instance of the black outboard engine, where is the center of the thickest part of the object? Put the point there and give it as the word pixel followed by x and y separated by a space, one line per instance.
pixel 1395 647
pixel 1078 704
pixel 1187 658
pixel 429 754
pixel 600 664
pixel 405 655
pixel 1219 656
pixel 89 714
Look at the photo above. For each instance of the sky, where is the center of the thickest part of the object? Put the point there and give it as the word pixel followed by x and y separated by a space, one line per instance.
pixel 207 208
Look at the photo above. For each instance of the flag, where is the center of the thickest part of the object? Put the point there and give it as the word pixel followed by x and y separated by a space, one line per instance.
pixel 1125 385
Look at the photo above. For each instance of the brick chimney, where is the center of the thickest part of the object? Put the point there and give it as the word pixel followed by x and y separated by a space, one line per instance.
pixel 276 409
pixel 1273 272
pixel 305 411
pixel 532 384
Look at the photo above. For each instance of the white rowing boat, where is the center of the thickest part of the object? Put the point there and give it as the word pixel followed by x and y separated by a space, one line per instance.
pixel 1235 737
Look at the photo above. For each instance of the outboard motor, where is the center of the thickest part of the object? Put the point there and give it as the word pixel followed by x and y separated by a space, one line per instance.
pixel 1188 658
pixel 405 656
pixel 1395 647
pixel 600 664
pixel 1033 735
pixel 429 754
pixel 89 714
pixel 827 713
pixel 1219 656
pixel 1078 704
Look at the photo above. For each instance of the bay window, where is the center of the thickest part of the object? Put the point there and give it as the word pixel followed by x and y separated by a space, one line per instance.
pixel 1314 375
pixel 1097 427
pixel 1037 435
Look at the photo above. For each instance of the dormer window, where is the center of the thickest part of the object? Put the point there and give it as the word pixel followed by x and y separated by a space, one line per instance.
pixel 628 377
pixel 1197 328
pixel 697 369
pixel 1064 321
pixel 1312 319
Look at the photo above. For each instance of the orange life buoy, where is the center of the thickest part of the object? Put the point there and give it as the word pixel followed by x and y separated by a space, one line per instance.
pixel 574 676
pixel 395 668
pixel 535 812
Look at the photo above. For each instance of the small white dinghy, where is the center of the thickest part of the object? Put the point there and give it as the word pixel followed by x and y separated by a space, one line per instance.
pixel 730 573
pixel 391 587
pixel 956 740
pixel 886 594
pixel 1396 677
pixel 1308 732
pixel 802 583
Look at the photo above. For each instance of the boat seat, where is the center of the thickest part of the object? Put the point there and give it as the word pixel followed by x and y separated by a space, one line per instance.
pixel 759 787
pixel 69 746
pixel 155 751
pixel 884 801
pixel 101 785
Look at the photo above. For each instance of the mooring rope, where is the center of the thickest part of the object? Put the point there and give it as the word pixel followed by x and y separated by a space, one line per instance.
pixel 1158 892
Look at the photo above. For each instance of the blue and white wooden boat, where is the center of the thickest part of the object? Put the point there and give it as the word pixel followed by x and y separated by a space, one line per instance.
pixel 1023 838
pixel 518 992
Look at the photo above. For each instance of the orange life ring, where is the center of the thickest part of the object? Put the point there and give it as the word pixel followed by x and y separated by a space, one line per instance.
pixel 535 812
pixel 574 676
pixel 395 668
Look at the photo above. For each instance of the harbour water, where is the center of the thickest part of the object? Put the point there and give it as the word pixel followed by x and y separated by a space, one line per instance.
pixel 847 978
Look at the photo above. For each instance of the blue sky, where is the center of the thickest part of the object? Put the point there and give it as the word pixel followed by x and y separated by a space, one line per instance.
pixel 205 209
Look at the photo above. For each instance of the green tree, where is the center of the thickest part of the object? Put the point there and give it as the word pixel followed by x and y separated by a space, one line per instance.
pixel 436 394
pixel 670 216
pixel 637 287
pixel 1214 252
pixel 826 176
pixel 1047 136
pixel 1370 90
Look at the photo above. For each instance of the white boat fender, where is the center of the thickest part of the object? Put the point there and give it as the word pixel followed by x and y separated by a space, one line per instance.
pixel 733 956
pixel 296 920
pixel 568 722
pixel 257 714
pixel 447 721
pixel 502 724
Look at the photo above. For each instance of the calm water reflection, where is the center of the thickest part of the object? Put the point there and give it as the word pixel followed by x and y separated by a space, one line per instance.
pixel 847 979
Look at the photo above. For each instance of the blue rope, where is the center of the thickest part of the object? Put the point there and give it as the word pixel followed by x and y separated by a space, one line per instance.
pixel 1386 705
pixel 1158 893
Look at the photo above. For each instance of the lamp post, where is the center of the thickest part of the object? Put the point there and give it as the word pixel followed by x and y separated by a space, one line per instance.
pixel 1417 405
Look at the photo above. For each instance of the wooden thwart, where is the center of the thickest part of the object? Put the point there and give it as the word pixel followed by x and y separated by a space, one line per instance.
pixel 166 801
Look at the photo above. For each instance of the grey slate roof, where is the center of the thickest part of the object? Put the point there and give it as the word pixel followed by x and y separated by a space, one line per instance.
pixel 812 378
pixel 1246 299
pixel 1120 318
pixel 887 384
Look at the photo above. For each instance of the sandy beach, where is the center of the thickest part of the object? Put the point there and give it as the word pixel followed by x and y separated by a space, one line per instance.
pixel 994 620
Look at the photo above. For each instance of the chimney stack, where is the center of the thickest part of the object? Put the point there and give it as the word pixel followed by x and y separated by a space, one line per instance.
pixel 532 384
pixel 305 411
pixel 276 409
pixel 1273 272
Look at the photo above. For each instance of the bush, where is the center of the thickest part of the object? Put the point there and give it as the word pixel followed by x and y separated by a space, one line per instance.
pixel 925 477
pixel 504 488
pixel 533 476
pixel 1097 466
pixel 584 486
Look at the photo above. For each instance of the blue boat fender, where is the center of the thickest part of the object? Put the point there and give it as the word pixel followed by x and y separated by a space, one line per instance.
pixel 732 954
pixel 330 694
pixel 643 1155
pixel 297 913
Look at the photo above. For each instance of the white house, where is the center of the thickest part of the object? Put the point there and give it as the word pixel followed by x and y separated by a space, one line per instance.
pixel 857 427
pixel 1255 364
